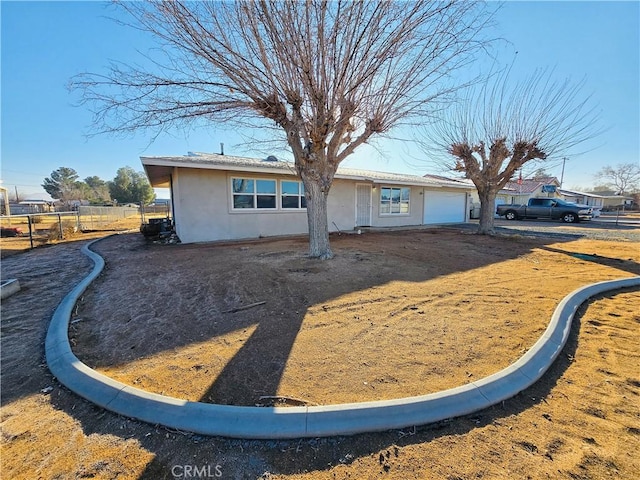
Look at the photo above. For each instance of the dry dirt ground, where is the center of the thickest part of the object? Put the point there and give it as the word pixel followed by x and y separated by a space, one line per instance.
pixel 393 314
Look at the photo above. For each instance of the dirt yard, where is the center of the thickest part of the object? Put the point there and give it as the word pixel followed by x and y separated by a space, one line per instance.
pixel 394 314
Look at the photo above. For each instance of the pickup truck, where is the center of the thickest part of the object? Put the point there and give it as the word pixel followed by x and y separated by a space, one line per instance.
pixel 553 208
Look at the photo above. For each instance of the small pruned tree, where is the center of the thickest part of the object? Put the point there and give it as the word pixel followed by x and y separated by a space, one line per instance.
pixel 502 125
pixel 624 178
pixel 327 75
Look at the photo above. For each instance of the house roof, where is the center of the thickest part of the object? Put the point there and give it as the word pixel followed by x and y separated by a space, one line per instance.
pixel 159 169
pixel 579 194
pixel 610 194
pixel 530 185
pixel 35 202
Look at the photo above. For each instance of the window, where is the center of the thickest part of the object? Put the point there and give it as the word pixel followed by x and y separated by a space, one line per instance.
pixel 292 195
pixel 394 200
pixel 253 193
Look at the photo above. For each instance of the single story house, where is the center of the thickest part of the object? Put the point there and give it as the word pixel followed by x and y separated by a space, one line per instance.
pixel 222 197
pixel 32 206
pixel 591 199
pixel 612 200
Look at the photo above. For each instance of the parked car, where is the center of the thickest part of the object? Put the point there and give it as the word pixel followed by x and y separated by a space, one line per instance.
pixel 552 208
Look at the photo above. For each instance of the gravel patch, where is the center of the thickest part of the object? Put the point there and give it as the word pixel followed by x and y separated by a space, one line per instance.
pixel 593 231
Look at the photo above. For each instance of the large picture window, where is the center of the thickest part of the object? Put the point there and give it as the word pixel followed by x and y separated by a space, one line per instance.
pixel 292 195
pixel 254 193
pixel 394 200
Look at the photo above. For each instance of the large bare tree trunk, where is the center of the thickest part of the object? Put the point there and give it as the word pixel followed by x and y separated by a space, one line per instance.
pixel 317 178
pixel 318 222
pixel 487 207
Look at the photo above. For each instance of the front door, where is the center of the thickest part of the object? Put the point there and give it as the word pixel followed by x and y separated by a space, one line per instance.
pixel 363 205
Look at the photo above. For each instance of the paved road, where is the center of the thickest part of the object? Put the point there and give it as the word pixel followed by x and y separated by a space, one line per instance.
pixel 598 229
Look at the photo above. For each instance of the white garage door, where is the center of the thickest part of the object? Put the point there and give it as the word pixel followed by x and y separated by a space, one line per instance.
pixel 444 207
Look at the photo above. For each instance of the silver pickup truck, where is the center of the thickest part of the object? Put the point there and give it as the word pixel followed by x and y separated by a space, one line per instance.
pixel 553 208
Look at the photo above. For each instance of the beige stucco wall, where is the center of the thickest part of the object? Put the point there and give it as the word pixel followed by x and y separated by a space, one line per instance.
pixel 203 208
pixel 416 208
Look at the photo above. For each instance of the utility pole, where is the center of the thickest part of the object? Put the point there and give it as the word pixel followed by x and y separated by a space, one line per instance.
pixel 562 175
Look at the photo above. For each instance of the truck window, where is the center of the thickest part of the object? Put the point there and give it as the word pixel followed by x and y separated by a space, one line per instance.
pixel 541 202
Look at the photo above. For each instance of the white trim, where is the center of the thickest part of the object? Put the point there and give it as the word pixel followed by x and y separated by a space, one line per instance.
pixel 299 196
pixel 394 214
pixel 278 208
pixel 370 186
pixel 254 194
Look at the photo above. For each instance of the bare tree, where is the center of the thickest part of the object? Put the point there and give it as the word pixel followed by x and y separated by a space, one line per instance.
pixel 624 178
pixel 501 126
pixel 328 74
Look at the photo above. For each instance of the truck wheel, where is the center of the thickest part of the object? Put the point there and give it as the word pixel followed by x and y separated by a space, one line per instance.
pixel 511 215
pixel 569 217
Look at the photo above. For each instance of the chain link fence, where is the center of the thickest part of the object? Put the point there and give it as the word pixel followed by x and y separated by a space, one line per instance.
pixel 40 228
pixel 106 218
pixel 36 229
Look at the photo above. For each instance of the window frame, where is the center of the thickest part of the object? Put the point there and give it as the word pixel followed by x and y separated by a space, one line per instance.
pixel 255 194
pixel 390 202
pixel 300 196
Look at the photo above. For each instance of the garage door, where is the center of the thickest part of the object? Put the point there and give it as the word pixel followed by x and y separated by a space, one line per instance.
pixel 444 207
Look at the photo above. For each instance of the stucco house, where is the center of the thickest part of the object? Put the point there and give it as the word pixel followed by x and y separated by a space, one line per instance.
pixel 596 202
pixel 612 200
pixel 223 197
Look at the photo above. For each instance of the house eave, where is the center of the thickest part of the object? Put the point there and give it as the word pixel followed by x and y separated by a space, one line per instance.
pixel 159 170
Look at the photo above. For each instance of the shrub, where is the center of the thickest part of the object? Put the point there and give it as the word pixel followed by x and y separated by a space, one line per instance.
pixel 69 228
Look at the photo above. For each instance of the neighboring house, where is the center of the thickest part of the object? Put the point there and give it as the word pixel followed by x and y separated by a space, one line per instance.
pixel 519 192
pixel 221 197
pixel 591 199
pixel 594 201
pixel 611 200
pixel 32 206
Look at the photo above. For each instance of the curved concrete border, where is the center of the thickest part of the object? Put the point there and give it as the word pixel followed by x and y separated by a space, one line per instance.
pixel 316 421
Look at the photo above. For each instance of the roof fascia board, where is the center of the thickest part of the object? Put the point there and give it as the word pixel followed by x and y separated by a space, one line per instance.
pixel 168 162
pixel 186 163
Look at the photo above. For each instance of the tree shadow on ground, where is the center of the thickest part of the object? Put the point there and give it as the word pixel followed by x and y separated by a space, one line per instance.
pixel 249 459
pixel 252 458
pixel 628 265
pixel 181 296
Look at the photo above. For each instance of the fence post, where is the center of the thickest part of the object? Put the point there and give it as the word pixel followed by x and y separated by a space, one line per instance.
pixel 30 232
pixel 60 227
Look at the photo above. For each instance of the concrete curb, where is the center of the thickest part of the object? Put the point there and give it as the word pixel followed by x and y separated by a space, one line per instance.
pixel 297 422
pixel 9 287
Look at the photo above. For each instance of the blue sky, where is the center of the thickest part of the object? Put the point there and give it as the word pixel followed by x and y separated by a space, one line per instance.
pixel 45 43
